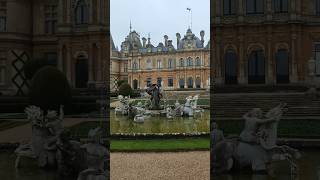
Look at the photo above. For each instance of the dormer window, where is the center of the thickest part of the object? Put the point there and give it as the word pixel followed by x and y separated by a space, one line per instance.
pixel 82 13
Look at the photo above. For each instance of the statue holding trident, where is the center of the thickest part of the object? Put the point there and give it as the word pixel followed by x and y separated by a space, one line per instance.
pixel 154 92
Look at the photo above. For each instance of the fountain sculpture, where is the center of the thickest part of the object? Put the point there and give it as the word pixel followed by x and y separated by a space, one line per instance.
pixel 51 147
pixel 140 112
pixel 256 146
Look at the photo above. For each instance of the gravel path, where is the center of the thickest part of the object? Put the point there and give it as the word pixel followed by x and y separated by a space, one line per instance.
pixel 162 166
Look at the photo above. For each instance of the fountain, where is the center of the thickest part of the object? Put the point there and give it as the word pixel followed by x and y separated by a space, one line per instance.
pixel 256 146
pixel 51 147
pixel 141 112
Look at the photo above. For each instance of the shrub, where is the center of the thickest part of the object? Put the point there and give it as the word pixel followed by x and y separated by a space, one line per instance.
pixel 125 89
pixel 32 66
pixel 121 82
pixel 49 89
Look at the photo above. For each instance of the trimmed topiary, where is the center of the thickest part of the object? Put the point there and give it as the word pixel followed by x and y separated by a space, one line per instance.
pixel 32 66
pixel 125 89
pixel 49 89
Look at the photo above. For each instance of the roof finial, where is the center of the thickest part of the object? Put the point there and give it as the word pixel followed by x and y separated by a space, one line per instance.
pixel 190 11
pixel 130 26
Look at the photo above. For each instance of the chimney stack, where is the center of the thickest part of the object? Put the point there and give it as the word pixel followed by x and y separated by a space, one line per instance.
pixel 144 40
pixel 202 37
pixel 178 39
pixel 165 40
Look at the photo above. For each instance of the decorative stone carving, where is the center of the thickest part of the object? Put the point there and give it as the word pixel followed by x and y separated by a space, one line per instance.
pixel 256 147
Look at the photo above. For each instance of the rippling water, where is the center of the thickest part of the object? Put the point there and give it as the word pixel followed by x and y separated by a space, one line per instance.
pixel 154 125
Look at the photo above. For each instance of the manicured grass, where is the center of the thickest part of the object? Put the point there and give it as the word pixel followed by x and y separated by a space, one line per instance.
pixel 158 145
pixel 308 128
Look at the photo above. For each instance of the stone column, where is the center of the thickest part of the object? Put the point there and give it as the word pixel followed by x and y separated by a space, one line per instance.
pixel 90 63
pixel 241 60
pixel 69 63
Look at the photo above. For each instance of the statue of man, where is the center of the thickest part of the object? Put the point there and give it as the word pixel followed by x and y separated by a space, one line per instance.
pixel 254 120
pixel 155 94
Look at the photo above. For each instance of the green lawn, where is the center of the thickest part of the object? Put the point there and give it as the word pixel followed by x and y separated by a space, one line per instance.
pixel 159 145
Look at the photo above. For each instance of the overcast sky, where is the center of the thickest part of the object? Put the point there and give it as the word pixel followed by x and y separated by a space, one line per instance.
pixel 159 18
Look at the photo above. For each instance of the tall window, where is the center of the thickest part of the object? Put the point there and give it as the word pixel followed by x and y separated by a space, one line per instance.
pixel 280 6
pixel 2 67
pixel 255 6
pixel 170 64
pixel 159 80
pixel 149 64
pixel 317 59
pixel 159 64
pixel 181 62
pixel 82 14
pixel 3 16
pixel 198 61
pixel 317 7
pixel 229 7
pixel 189 62
pixel 135 66
pixel 170 81
pixel 125 67
pixel 149 82
pixel 50 19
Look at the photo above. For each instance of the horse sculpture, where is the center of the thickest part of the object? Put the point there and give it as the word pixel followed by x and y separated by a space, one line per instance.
pixel 256 147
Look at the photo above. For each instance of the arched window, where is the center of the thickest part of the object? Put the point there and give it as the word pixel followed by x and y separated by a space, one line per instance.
pixel 170 64
pixel 229 7
pixel 181 62
pixel 159 64
pixel 181 83
pixel 189 62
pixel 256 67
pixel 231 67
pixel 135 66
pixel 82 12
pixel 198 61
pixel 282 66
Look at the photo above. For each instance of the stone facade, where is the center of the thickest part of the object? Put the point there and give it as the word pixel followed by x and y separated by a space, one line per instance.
pixel 142 64
pixel 269 43
pixel 71 34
